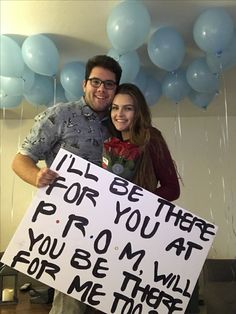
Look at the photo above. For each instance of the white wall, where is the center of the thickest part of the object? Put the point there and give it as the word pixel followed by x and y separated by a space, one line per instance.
pixel 202 150
pixel 205 149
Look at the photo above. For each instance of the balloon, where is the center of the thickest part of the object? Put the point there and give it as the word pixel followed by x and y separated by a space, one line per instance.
pixel 141 80
pixel 28 78
pixel 175 85
pixel 72 77
pixel 213 30
pixel 41 92
pixel 40 54
pixel 200 78
pixel 153 91
pixel 12 86
pixel 11 61
pixel 201 100
pixel 60 95
pixel 15 86
pixel 227 59
pixel 166 48
pixel 129 63
pixel 128 25
pixel 9 101
pixel 71 97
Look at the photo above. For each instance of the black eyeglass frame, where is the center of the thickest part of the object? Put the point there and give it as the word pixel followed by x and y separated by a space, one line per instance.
pixel 111 87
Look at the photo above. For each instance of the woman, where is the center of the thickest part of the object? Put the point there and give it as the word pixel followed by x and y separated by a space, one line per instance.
pixel 131 123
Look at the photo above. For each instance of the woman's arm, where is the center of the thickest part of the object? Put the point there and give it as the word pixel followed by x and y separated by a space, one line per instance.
pixel 165 170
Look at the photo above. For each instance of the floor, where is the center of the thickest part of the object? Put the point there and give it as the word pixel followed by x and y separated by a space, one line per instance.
pixel 218 296
pixel 25 306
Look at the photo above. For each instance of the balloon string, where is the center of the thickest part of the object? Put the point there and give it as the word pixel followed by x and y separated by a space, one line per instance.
pixel 20 127
pixel 210 183
pixel 55 89
pixel 12 197
pixel 14 175
pixel 1 152
pixel 1 131
pixel 226 110
pixel 178 133
pixel 179 122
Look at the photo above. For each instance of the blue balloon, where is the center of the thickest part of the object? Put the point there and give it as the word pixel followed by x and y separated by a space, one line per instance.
pixel 226 60
pixel 129 63
pixel 28 78
pixel 213 30
pixel 175 86
pixel 71 97
pixel 10 101
pixel 15 86
pixel 11 61
pixel 60 95
pixel 141 80
pixel 128 26
pixel 200 78
pixel 166 48
pixel 12 86
pixel 72 77
pixel 42 91
pixel 201 100
pixel 40 54
pixel 153 91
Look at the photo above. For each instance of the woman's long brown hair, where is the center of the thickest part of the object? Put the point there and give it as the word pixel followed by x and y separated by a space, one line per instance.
pixel 142 135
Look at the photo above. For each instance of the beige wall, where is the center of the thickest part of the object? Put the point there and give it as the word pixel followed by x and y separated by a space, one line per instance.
pixel 202 150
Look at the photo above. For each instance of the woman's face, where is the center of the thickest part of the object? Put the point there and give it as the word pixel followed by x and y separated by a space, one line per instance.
pixel 122 114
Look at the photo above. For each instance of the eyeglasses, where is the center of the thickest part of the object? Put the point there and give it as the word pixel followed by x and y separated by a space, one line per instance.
pixel 96 82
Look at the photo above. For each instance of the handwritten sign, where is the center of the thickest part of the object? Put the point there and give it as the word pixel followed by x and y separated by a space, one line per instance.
pixel 109 243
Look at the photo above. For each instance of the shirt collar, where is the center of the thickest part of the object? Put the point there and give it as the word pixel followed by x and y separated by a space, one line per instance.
pixel 88 111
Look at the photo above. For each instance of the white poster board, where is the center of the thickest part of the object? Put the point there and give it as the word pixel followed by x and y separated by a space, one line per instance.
pixel 113 245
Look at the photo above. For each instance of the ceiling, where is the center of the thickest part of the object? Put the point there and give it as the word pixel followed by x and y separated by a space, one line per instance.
pixel 78 28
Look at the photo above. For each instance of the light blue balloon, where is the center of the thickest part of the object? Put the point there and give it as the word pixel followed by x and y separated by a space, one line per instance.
pixel 129 62
pixel 141 80
pixel 201 100
pixel 175 86
pixel 72 77
pixel 60 95
pixel 200 78
pixel 153 91
pixel 10 101
pixel 166 48
pixel 40 54
pixel 128 26
pixel 71 97
pixel 15 86
pixel 42 91
pixel 226 60
pixel 28 78
pixel 213 30
pixel 11 61
pixel 12 86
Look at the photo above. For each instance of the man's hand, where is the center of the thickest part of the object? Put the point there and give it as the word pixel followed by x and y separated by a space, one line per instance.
pixel 44 177
pixel 26 168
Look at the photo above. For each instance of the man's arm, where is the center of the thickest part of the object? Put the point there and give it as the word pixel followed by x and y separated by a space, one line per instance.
pixel 26 168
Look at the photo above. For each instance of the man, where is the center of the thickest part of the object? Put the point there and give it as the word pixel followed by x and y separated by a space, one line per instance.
pixel 78 127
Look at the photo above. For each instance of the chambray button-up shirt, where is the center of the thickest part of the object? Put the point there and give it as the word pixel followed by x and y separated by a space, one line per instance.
pixel 73 126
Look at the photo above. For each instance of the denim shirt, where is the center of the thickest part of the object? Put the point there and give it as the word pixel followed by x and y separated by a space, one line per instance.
pixel 73 126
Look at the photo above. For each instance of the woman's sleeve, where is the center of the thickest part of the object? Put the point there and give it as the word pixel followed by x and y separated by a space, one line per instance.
pixel 165 171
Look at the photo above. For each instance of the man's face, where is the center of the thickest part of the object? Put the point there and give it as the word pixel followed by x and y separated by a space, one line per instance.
pixel 99 98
